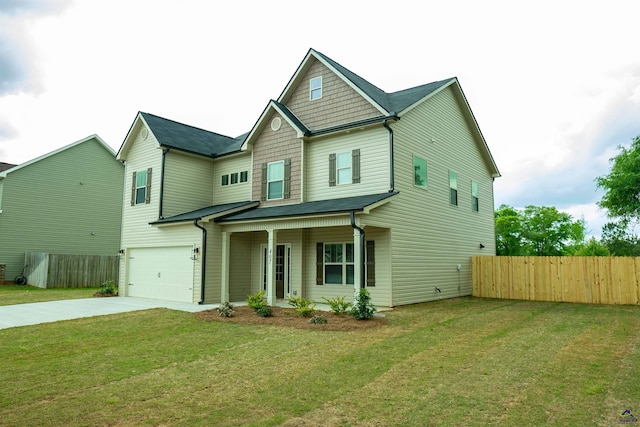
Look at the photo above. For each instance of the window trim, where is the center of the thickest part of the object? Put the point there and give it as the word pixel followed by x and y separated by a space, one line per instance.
pixel 275 180
pixel 135 188
pixel 453 188
pixel 426 172
pixel 475 196
pixel 344 168
pixel 315 91
pixel 345 263
pixel 224 180
pixel 244 176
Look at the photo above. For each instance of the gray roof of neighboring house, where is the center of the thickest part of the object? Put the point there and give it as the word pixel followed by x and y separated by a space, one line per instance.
pixel 191 139
pixel 205 212
pixel 6 166
pixel 392 102
pixel 320 207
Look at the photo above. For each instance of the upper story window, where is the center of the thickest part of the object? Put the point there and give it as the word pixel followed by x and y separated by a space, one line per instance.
pixel 276 180
pixel 141 187
pixel 234 178
pixel 453 188
pixel 244 176
pixel 474 196
pixel 419 172
pixel 344 168
pixel 315 88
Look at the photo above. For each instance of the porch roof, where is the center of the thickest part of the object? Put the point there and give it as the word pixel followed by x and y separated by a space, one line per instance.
pixel 206 213
pixel 319 207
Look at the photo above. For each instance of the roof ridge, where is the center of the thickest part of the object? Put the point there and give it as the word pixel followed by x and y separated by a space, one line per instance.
pixel 186 125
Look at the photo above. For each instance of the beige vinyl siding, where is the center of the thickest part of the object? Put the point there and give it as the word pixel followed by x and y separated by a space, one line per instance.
pixel 374 164
pixel 339 104
pixel 136 230
pixel 69 202
pixel 188 183
pixel 433 237
pixel 235 192
pixel 240 284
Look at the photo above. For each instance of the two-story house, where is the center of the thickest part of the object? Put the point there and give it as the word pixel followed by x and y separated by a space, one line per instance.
pixel 338 185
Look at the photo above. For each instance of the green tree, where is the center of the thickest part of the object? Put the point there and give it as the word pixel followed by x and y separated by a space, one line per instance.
pixel 592 248
pixel 619 240
pixel 541 231
pixel 622 185
pixel 508 231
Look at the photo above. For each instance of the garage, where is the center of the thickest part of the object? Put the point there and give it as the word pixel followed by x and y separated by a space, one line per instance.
pixel 164 273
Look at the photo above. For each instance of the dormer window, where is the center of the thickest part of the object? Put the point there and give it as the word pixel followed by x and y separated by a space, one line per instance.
pixel 315 88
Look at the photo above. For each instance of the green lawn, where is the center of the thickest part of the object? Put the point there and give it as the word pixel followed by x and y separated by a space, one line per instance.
pixel 466 361
pixel 15 294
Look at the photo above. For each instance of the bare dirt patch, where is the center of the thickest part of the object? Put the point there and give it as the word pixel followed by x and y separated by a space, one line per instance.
pixel 287 317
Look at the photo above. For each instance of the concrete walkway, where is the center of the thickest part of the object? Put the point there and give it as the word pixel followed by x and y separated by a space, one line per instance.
pixel 53 311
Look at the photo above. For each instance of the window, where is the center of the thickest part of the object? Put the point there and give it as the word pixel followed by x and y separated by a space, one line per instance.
pixel 474 196
pixel 419 172
pixel 315 88
pixel 225 180
pixel 453 188
pixel 335 263
pixel 141 187
pixel 244 176
pixel 344 168
pixel 338 264
pixel 275 180
pixel 234 178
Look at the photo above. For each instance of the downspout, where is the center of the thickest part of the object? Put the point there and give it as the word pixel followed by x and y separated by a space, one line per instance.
pixel 352 216
pixel 392 186
pixel 203 260
pixel 164 154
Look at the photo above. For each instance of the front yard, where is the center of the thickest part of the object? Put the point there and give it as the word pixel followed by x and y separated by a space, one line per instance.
pixel 465 361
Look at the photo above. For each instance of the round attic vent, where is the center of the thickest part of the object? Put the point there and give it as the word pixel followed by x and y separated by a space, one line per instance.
pixel 276 123
pixel 144 133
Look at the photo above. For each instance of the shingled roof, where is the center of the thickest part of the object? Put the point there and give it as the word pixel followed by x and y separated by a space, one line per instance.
pixel 191 139
pixel 6 166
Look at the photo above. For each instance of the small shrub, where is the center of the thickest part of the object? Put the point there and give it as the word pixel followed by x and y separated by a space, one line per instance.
pixel 318 320
pixel 108 288
pixel 264 311
pixel 256 301
pixel 225 310
pixel 362 308
pixel 304 307
pixel 338 305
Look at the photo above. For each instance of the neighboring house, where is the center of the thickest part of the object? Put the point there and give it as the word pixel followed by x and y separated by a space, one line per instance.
pixel 68 201
pixel 338 185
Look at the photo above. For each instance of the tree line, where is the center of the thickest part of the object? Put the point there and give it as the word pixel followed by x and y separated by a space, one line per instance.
pixel 545 231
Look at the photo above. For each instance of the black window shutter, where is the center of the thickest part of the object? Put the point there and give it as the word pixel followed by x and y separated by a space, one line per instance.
pixel 319 263
pixel 287 179
pixel 355 166
pixel 371 263
pixel 148 190
pixel 263 191
pixel 332 170
pixel 133 189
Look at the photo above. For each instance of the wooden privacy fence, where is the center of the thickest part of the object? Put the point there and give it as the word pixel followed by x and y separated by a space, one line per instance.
pixel 593 280
pixel 70 271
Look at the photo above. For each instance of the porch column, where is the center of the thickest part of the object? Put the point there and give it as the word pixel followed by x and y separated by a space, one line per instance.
pixel 357 262
pixel 224 282
pixel 271 267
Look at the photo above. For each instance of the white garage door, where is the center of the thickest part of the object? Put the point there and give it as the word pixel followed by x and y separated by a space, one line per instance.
pixel 161 273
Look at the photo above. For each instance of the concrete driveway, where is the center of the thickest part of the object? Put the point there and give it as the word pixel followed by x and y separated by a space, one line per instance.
pixel 53 311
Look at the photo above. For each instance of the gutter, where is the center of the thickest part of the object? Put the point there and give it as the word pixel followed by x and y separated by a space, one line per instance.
pixel 352 216
pixel 391 171
pixel 164 154
pixel 203 260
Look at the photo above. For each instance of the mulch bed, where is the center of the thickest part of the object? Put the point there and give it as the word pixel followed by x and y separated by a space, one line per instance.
pixel 287 317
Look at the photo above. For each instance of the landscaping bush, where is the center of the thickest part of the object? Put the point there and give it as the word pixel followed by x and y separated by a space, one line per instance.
pixel 362 308
pixel 304 307
pixel 256 301
pixel 338 305
pixel 318 320
pixel 264 311
pixel 108 288
pixel 225 310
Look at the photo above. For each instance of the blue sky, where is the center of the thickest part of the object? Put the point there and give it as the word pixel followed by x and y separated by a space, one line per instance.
pixel 554 85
